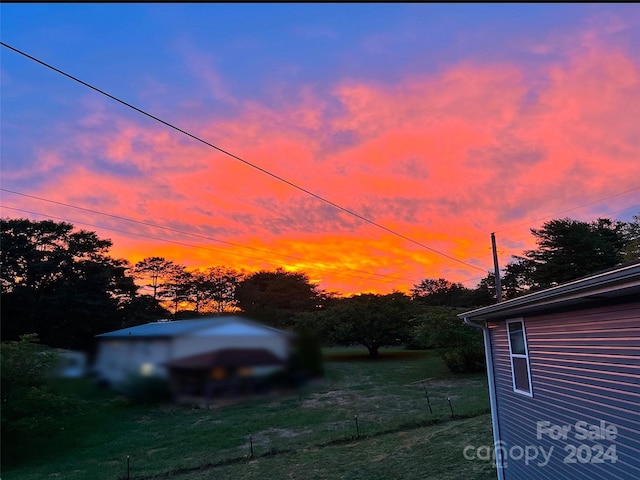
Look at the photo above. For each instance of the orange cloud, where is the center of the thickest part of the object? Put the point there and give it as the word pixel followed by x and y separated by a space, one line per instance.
pixel 443 159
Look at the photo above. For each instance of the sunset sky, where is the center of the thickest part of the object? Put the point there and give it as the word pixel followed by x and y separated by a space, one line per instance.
pixel 437 123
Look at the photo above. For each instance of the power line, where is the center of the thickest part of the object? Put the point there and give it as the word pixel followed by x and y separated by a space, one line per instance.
pixel 513 253
pixel 182 232
pixel 529 222
pixel 201 247
pixel 266 172
pixel 148 224
pixel 317 269
pixel 507 250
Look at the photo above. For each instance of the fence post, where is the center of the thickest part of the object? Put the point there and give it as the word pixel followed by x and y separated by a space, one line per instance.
pixel 450 407
pixel 426 394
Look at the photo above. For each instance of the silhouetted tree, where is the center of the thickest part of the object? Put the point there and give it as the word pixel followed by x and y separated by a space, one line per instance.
pixel 631 236
pixel 141 309
pixel 440 293
pixel 485 292
pixel 220 285
pixel 440 327
pixel 372 320
pixel 275 297
pixel 567 249
pixel 60 283
pixel 155 273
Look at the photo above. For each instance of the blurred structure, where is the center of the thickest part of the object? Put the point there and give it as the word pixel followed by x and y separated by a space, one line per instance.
pixel 204 357
pixel 71 364
pixel 230 371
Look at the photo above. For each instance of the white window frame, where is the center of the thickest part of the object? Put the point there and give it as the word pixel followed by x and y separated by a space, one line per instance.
pixel 512 355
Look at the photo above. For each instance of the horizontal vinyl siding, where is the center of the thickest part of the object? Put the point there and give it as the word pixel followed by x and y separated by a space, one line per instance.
pixel 585 365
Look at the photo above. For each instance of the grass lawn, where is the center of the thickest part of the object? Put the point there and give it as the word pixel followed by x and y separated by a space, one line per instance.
pixel 433 452
pixel 310 433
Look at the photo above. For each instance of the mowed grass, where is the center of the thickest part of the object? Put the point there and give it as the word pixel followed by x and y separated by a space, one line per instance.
pixel 433 452
pixel 309 433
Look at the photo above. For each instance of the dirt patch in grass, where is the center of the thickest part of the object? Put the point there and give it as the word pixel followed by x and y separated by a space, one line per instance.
pixel 144 419
pixel 153 451
pixel 454 383
pixel 379 458
pixel 334 397
pixel 207 420
pixel 265 437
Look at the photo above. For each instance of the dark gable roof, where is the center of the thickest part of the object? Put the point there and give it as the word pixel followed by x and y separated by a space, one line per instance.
pixel 228 357
pixel 623 281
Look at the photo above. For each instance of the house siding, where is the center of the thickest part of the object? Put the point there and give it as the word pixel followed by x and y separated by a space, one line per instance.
pixel 117 359
pixel 585 366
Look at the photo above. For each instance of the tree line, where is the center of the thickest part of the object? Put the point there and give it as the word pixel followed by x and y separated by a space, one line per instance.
pixel 62 284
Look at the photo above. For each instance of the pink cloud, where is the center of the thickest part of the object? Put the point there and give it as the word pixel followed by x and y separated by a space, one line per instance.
pixel 444 158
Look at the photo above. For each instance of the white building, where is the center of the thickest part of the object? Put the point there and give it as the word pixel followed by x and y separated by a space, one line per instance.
pixel 149 350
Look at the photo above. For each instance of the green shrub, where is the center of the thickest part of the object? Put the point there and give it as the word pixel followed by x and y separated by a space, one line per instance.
pixel 440 327
pixel 467 359
pixel 31 407
pixel 306 357
pixel 39 411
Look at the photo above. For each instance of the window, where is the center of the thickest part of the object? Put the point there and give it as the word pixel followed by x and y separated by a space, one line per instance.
pixel 520 371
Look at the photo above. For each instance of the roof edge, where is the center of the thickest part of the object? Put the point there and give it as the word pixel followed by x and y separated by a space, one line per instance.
pixel 622 276
pixel 134 331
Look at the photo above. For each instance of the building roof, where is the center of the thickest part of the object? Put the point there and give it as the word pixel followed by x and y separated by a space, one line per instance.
pixel 226 325
pixel 623 281
pixel 228 357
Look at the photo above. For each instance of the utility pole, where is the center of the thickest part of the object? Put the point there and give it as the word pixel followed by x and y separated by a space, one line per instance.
pixel 496 269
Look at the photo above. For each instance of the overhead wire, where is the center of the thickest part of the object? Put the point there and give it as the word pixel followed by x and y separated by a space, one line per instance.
pixel 271 261
pixel 386 278
pixel 275 176
pixel 149 224
pixel 182 232
pixel 252 165
pixel 530 222
pixel 513 253
pixel 557 214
